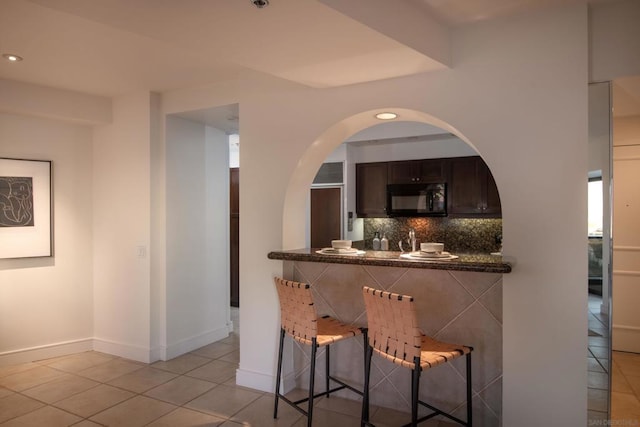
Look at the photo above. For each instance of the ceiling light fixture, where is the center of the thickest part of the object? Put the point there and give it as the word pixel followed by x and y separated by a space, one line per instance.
pixel 11 57
pixel 260 3
pixel 386 116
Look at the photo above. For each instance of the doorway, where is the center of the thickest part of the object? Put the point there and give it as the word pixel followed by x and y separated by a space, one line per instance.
pixel 234 236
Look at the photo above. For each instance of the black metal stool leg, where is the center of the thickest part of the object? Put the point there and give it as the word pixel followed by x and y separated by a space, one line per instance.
pixel 279 370
pixel 469 392
pixel 312 374
pixel 415 391
pixel 365 392
pixel 327 371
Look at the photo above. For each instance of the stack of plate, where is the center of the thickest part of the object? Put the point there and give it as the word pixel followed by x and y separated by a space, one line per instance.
pixel 423 254
pixel 338 251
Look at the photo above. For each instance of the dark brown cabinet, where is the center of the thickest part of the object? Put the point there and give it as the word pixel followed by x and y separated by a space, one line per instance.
pixel 416 171
pixel 371 189
pixel 471 187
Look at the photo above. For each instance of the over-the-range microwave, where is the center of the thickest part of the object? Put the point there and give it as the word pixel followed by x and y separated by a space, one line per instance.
pixel 406 200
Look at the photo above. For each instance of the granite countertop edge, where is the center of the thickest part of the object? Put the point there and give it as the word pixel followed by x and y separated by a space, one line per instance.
pixel 484 263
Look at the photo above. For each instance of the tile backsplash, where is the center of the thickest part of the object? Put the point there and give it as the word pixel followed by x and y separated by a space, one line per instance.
pixel 463 235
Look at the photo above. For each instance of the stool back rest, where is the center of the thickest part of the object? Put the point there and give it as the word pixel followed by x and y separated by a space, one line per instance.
pixel 393 324
pixel 298 315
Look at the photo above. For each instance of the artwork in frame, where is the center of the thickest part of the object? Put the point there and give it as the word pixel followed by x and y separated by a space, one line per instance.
pixel 25 208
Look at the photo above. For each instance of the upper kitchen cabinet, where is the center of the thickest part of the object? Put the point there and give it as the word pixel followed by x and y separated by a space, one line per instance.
pixel 472 189
pixel 416 171
pixel 371 189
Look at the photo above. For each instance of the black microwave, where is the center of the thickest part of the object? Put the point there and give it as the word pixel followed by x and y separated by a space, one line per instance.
pixel 417 199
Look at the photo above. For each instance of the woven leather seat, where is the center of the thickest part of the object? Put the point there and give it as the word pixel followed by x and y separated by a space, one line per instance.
pixel 299 320
pixel 394 335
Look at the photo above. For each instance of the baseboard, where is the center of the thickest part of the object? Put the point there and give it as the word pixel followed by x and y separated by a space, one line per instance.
pixel 189 344
pixel 264 382
pixel 48 351
pixel 626 338
pixel 127 351
pixel 255 380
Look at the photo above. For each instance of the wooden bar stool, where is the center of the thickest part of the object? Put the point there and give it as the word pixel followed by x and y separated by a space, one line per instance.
pixel 298 318
pixel 394 334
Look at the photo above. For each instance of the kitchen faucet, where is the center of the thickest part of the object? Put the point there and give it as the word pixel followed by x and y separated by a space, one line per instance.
pixel 411 241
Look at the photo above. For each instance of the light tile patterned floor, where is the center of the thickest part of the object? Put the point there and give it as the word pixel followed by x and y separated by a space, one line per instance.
pixel 598 364
pixel 195 389
pixel 198 389
pixel 625 389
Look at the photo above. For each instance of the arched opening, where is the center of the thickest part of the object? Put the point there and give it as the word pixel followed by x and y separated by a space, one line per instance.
pixel 447 143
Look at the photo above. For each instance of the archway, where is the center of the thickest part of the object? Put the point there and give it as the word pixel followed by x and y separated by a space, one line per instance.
pixel 297 190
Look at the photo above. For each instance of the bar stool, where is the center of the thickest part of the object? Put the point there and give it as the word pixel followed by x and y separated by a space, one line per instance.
pixel 394 335
pixel 298 318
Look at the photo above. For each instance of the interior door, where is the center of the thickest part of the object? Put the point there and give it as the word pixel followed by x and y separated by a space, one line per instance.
pixel 326 216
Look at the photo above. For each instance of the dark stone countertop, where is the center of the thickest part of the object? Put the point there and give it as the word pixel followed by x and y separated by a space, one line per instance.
pixel 484 263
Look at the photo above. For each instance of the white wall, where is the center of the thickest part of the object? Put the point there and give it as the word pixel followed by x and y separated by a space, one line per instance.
pixel 121 229
pixel 626 234
pixel 518 92
pixel 419 149
pixel 46 303
pixel 197 269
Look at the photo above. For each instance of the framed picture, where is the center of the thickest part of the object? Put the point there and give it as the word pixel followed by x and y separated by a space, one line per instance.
pixel 25 208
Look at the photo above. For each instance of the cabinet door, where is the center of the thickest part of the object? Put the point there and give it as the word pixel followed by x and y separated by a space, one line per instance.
pixel 404 172
pixel 492 204
pixel 465 186
pixel 371 189
pixel 431 170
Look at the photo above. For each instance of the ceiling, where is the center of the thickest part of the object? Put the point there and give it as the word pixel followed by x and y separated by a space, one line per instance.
pixel 113 47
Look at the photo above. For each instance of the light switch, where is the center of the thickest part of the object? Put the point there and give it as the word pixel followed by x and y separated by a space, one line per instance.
pixel 142 251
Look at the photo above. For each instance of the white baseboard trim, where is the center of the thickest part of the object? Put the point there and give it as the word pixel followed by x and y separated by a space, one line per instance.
pixel 48 351
pixel 264 382
pixel 255 380
pixel 127 351
pixel 626 338
pixel 189 344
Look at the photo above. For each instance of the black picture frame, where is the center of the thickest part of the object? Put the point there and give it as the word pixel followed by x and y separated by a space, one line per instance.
pixel 26 216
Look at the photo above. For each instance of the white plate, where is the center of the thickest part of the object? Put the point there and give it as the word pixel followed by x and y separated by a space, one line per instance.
pixel 422 254
pixel 444 256
pixel 332 251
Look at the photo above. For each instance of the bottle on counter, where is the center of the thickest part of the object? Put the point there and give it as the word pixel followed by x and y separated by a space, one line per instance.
pixel 376 241
pixel 384 243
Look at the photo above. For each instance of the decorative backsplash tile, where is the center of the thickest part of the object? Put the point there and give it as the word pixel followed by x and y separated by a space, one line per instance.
pixel 464 235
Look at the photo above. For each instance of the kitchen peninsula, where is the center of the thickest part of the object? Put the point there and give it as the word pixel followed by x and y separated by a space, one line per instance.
pixel 458 300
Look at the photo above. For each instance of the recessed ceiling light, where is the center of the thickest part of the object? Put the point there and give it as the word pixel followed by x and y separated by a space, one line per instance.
pixel 11 57
pixel 260 3
pixel 386 116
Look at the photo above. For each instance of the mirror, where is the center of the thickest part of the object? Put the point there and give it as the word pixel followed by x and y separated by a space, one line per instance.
pixel 625 317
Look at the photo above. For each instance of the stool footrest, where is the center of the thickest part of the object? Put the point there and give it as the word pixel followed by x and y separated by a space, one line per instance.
pixel 342 385
pixel 436 413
